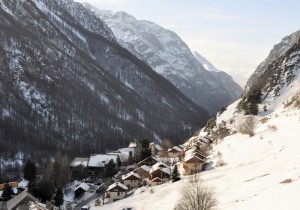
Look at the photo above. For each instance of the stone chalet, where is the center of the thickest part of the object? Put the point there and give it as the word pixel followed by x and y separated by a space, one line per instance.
pixel 116 192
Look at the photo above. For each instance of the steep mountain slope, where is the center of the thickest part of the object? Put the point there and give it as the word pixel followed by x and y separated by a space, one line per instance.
pixel 230 87
pixel 65 83
pixel 277 51
pixel 169 56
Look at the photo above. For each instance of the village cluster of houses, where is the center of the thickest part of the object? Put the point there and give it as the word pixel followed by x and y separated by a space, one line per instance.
pixel 23 199
pixel 153 170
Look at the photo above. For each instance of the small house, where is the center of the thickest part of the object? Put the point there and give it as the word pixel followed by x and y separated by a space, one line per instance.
pixel 21 201
pixel 116 192
pixel 131 180
pixel 161 171
pixel 102 165
pixel 142 171
pixel 81 189
pixel 196 152
pixel 192 164
pixel 174 152
pixel 79 168
pixel 156 149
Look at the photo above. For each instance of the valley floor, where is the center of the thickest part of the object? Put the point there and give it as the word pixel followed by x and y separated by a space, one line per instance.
pixel 260 172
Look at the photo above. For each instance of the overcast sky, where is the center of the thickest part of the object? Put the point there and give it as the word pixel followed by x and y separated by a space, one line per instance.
pixel 235 35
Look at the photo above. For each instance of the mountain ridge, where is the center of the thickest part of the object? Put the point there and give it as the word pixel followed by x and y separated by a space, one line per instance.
pixel 67 85
pixel 169 56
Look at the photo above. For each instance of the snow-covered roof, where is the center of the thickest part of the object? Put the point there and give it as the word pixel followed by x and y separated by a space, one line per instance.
pixel 83 186
pixel 182 146
pixel 160 166
pixel 101 160
pixel 145 168
pixel 115 185
pixel 79 161
pixel 157 146
pixel 176 148
pixel 132 144
pixel 123 156
pixel 131 174
pixel 23 184
pixel 12 203
pixel 190 156
pixel 127 150
pixel 194 150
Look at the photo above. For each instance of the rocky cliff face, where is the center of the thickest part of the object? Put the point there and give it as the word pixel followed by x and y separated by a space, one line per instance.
pixel 65 83
pixel 278 50
pixel 169 56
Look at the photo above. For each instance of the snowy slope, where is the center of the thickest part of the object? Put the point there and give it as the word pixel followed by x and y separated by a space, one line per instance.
pixel 261 172
pixel 169 56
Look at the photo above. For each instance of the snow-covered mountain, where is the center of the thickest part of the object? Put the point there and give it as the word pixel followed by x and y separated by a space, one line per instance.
pixel 233 90
pixel 277 51
pixel 257 171
pixel 65 83
pixel 169 56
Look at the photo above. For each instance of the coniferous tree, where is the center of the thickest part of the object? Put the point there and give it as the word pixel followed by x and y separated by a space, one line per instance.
pixel 59 197
pixel 250 103
pixel 145 150
pixel 29 171
pixel 175 174
pixel 45 190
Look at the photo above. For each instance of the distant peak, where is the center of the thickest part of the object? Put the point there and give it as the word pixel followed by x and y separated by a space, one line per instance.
pixel 205 63
pixel 124 16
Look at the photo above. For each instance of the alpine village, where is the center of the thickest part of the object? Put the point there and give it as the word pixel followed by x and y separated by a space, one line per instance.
pixel 102 111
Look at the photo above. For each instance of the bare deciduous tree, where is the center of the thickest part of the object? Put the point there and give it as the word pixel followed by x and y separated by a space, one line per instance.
pixel 196 196
pixel 246 125
pixel 166 144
